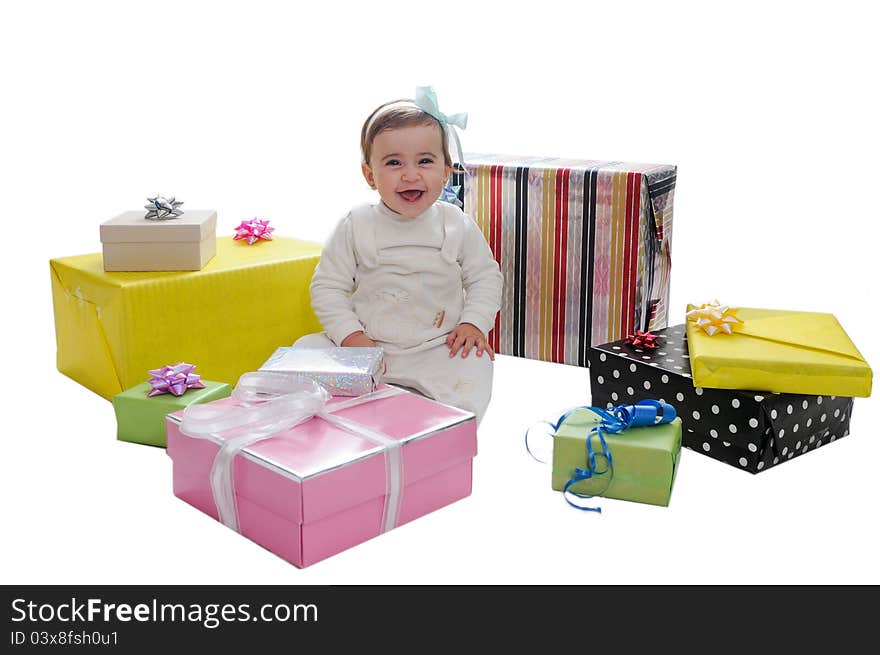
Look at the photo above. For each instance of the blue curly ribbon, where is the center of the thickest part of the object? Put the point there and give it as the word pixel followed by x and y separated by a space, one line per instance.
pixel 617 419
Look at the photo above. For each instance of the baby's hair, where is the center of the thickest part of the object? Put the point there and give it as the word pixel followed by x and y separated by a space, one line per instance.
pixel 396 118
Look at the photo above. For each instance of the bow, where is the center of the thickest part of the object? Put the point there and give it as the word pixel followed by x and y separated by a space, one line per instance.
pixel 174 379
pixel 253 230
pixel 160 208
pixel 426 100
pixel 714 318
pixel 641 339
pixel 450 194
pixel 269 404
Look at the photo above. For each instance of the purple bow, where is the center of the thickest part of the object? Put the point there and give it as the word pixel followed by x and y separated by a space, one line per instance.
pixel 253 230
pixel 174 379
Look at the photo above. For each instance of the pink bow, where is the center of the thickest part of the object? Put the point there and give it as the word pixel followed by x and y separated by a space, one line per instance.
pixel 253 230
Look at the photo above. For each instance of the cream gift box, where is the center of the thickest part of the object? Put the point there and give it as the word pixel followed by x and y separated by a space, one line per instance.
pixel 351 470
pixel 134 243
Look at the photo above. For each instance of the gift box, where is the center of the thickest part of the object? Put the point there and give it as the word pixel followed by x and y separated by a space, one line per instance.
pixel 584 247
pixel 141 419
pixel 314 490
pixel 645 459
pixel 751 430
pixel 342 371
pixel 779 351
pixel 134 243
pixel 229 317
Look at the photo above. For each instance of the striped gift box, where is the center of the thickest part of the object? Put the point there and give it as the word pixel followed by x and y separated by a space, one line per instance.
pixel 584 247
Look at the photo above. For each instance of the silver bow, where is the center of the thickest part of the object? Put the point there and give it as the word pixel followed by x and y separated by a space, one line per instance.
pixel 160 208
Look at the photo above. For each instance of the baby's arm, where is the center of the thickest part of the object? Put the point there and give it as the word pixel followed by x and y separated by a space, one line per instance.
pixel 481 279
pixel 332 286
pixel 482 283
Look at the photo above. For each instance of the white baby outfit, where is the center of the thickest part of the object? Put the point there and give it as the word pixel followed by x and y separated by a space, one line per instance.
pixel 407 283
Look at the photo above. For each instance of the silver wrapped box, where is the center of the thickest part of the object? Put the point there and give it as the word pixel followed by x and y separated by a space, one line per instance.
pixel 342 371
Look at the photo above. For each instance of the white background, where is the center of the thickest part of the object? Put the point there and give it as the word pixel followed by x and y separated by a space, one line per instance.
pixel 769 110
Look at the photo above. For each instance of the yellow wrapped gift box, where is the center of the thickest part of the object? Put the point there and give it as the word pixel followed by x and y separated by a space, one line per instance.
pixel 228 318
pixel 780 351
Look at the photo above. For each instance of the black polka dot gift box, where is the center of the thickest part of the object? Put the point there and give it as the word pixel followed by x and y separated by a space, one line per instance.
pixel 752 430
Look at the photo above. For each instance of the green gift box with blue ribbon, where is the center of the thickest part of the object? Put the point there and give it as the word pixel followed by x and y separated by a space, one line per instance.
pixel 628 452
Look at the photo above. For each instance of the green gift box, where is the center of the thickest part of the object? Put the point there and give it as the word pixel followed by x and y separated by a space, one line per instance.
pixel 645 459
pixel 141 419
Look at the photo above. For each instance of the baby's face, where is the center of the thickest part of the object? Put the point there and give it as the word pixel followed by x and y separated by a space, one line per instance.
pixel 407 168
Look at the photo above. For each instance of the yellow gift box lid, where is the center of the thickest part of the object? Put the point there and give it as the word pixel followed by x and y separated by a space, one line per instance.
pixel 780 351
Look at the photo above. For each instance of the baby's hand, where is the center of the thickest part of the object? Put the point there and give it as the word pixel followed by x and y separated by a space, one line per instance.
pixel 465 336
pixel 358 340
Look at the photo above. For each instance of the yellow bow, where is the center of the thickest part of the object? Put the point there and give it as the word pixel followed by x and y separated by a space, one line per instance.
pixel 715 318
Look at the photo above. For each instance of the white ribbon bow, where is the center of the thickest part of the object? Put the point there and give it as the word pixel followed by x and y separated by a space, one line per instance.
pixel 272 403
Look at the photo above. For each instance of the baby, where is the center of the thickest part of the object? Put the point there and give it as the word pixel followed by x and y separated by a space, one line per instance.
pixel 411 274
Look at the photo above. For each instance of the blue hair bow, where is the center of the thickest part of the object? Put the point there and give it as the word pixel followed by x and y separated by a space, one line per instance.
pixel 616 419
pixel 426 100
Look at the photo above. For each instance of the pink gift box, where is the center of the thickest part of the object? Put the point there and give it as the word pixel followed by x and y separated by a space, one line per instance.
pixel 318 489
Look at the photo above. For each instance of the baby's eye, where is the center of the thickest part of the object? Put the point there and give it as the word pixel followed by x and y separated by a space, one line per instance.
pixel 392 162
pixel 426 160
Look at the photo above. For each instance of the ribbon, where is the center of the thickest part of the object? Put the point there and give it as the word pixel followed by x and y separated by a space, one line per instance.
pixel 253 230
pixel 617 419
pixel 270 404
pixel 160 208
pixel 714 318
pixel 642 340
pixel 426 100
pixel 174 379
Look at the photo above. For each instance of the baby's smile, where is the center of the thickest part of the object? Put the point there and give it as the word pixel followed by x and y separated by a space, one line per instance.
pixel 411 195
